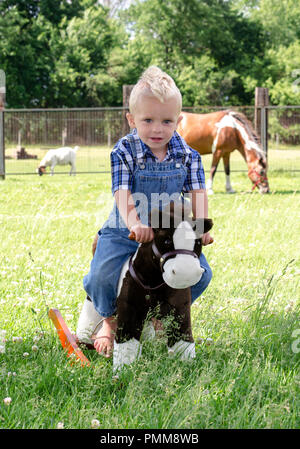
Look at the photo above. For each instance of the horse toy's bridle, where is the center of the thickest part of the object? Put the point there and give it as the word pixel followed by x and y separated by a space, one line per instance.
pixel 162 260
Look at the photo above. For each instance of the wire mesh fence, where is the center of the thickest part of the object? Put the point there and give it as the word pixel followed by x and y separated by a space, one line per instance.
pixel 30 133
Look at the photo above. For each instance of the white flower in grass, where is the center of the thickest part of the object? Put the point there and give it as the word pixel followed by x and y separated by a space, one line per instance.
pixel 25 354
pixel 60 425
pixel 289 306
pixel 7 401
pixel 95 424
pixel 35 348
pixel 17 339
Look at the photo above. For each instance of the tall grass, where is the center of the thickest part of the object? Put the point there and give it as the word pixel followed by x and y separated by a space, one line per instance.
pixel 246 373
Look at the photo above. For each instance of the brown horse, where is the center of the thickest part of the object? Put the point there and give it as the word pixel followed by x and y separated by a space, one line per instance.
pixel 220 133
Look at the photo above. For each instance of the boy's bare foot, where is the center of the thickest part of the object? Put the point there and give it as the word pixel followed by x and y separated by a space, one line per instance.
pixel 104 339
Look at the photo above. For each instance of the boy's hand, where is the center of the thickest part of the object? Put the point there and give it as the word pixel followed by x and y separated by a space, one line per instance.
pixel 142 233
pixel 207 239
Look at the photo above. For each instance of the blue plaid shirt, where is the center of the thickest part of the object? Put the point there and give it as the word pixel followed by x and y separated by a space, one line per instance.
pixel 123 163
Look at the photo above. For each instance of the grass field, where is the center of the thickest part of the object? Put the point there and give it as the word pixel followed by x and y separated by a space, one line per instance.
pixel 96 159
pixel 246 324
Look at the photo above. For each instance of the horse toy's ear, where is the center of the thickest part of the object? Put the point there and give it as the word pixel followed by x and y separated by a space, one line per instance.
pixel 201 226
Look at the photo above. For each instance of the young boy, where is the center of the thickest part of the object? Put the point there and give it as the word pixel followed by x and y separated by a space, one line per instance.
pixel 153 159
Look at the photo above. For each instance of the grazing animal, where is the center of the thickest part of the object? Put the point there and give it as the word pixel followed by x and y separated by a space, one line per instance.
pixel 156 278
pixel 220 133
pixel 60 156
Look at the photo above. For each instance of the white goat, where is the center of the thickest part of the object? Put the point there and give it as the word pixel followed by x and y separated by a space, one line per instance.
pixel 60 156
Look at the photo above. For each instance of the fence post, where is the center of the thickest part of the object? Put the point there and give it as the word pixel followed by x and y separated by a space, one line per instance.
pixel 261 115
pixel 127 88
pixel 2 104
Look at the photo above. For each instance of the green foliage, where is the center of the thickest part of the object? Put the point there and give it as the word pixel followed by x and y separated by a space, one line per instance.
pixel 284 74
pixel 80 53
pixel 81 73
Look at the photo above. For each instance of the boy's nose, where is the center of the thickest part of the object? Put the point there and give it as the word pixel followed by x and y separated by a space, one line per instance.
pixel 157 127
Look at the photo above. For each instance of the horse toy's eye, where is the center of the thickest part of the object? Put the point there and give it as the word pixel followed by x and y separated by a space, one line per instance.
pixel 168 242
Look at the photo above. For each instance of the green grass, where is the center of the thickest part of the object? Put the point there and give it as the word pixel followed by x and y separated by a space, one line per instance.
pixel 248 377
pixel 96 159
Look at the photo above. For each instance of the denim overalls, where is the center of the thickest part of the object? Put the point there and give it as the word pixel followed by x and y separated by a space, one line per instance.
pixel 114 247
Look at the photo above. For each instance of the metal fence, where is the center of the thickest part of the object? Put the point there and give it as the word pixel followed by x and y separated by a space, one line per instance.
pixel 29 133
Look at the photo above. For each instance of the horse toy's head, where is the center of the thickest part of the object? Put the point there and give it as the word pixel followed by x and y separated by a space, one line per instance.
pixel 177 245
pixel 257 172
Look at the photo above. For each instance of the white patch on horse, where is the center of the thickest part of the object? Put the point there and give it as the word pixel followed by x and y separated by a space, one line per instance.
pixel 125 353
pixel 184 349
pixel 215 142
pixel 229 121
pixel 183 270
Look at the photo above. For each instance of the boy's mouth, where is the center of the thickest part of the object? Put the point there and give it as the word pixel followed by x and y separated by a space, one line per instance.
pixel 156 139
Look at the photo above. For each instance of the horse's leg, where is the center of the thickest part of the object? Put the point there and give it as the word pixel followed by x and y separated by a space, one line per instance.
pixel 226 162
pixel 214 165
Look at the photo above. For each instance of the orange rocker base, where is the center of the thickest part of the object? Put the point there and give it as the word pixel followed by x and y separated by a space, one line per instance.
pixel 67 339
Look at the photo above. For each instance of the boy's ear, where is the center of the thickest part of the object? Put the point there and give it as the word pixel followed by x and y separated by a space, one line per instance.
pixel 179 120
pixel 130 120
pixel 201 226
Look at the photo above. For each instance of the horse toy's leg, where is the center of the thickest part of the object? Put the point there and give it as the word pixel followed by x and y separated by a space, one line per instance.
pixel 180 337
pixel 127 346
pixel 226 163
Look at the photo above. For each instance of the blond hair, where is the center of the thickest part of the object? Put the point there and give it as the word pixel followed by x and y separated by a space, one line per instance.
pixel 154 82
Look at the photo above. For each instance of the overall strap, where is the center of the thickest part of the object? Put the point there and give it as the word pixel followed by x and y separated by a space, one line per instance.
pixel 136 146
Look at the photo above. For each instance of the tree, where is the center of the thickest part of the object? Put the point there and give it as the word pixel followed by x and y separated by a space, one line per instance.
pixel 284 74
pixel 24 54
pixel 82 75
pixel 59 56
pixel 182 36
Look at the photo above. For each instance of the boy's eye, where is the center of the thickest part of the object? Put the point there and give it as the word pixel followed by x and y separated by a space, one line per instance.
pixel 147 120
pixel 167 121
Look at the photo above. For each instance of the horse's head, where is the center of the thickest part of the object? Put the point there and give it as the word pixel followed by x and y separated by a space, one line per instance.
pixel 177 245
pixel 257 172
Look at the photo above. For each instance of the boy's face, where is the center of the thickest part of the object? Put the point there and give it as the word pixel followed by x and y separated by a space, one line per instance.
pixel 155 121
